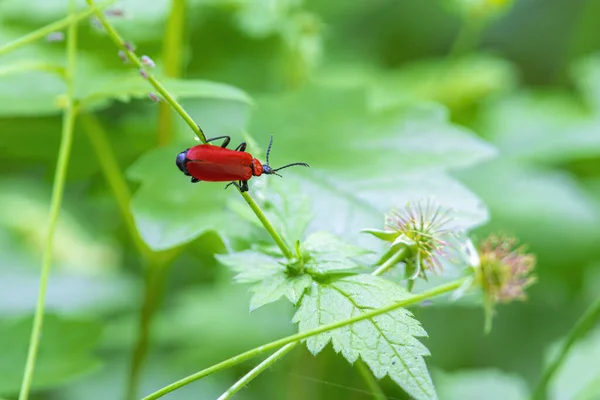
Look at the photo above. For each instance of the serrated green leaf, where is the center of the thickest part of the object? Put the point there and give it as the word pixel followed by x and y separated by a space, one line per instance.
pixel 65 352
pixel 271 274
pixel 329 254
pixel 250 265
pixel 273 288
pixel 385 343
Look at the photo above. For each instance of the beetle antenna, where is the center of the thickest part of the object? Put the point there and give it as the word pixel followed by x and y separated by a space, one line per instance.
pixel 291 165
pixel 269 149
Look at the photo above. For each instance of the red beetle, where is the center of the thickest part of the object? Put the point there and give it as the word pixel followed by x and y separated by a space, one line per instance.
pixel 206 162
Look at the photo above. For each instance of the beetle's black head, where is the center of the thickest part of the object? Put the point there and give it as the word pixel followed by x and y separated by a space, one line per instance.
pixel 181 162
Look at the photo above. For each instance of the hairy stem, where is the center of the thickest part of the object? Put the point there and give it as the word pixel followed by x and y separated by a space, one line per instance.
pixel 583 325
pixel 53 27
pixel 448 287
pixel 131 56
pixel 57 195
pixel 272 359
pixel 171 53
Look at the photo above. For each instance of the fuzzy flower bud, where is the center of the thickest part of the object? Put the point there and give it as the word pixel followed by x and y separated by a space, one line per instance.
pixel 504 272
pixel 425 230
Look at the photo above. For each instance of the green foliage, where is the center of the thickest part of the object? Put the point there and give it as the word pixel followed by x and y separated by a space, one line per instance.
pixel 65 352
pixel 386 343
pixel 388 103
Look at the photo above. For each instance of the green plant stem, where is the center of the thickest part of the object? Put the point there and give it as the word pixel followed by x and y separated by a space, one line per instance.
pixel 468 37
pixel 172 62
pixel 396 258
pixel 417 298
pixel 263 219
pixel 185 116
pixel 53 27
pixel 114 177
pixel 131 56
pixel 372 383
pixel 583 325
pixel 60 175
pixel 154 288
pixel 272 359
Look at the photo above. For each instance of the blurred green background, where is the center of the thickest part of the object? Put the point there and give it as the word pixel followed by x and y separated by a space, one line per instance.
pixel 493 107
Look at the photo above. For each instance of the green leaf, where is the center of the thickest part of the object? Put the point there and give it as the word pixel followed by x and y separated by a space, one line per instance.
pixel 250 265
pixel 65 352
pixel 459 84
pixel 549 127
pixel 272 276
pixel 385 343
pixel 329 254
pixel 277 286
pixel 363 202
pixel 335 130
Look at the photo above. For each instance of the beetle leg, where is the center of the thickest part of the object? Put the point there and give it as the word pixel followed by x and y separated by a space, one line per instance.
pixel 242 185
pixel 241 147
pixel 225 142
pixel 195 180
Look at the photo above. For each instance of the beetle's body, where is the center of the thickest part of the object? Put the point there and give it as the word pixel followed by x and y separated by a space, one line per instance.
pixel 206 162
pixel 217 164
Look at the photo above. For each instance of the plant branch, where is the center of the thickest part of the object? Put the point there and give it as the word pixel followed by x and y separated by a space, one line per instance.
pixel 396 258
pixel 272 359
pixel 53 27
pixel 60 175
pixel 583 325
pixel 131 56
pixel 263 219
pixel 448 287
pixel 114 177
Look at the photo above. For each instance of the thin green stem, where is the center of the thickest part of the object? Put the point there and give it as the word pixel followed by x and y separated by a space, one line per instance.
pixel 114 177
pixel 583 325
pixel 272 359
pixel 468 37
pixel 53 27
pixel 131 56
pixel 263 219
pixel 152 297
pixel 448 287
pixel 172 62
pixel 56 201
pixel 393 260
pixel 370 380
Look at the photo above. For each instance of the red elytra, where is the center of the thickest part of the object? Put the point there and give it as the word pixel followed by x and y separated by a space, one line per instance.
pixel 210 163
